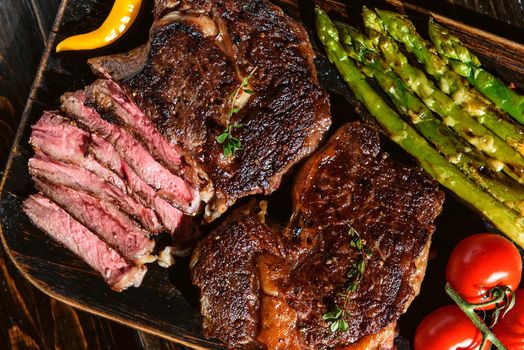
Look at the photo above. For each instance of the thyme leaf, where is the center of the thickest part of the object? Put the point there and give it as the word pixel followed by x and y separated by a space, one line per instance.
pixel 231 144
pixel 335 317
pixel 356 272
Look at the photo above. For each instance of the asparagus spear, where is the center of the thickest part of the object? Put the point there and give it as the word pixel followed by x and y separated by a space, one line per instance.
pixel 402 30
pixel 469 161
pixel 437 101
pixel 406 137
pixel 468 65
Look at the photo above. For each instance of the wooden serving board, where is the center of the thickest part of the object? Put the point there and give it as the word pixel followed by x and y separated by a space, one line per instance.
pixel 166 304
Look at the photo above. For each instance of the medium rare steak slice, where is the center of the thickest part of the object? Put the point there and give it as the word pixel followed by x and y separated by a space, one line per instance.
pixel 53 220
pixel 169 186
pixel 54 136
pixel 57 138
pixel 358 240
pixel 186 79
pixel 80 179
pixel 103 218
pixel 111 101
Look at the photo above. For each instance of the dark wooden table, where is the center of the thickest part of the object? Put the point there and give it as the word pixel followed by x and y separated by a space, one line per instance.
pixel 28 318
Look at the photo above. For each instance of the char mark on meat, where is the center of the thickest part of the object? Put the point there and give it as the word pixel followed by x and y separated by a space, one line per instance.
pixel 57 223
pixel 199 53
pixel 348 191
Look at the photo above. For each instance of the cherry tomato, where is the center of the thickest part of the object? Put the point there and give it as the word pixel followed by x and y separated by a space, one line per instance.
pixel 481 262
pixel 510 328
pixel 448 328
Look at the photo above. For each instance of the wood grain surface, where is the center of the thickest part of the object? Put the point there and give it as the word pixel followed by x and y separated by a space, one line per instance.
pixel 507 11
pixel 30 319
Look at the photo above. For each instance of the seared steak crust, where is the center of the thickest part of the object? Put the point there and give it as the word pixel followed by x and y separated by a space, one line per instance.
pixel 350 184
pixel 200 52
pixel 233 282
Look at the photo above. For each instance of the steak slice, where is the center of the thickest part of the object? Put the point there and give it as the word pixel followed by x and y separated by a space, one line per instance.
pixel 358 239
pixel 80 179
pixel 199 54
pixel 111 101
pixel 53 220
pixel 171 187
pixel 57 138
pixel 103 218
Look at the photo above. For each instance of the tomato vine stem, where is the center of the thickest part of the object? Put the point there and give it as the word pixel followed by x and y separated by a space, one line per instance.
pixel 469 310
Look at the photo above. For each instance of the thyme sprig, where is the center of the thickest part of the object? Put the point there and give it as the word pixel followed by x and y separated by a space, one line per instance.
pixel 336 316
pixel 356 272
pixel 229 142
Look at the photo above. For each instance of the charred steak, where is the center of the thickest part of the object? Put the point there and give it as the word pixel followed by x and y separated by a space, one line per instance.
pixel 200 52
pixel 137 152
pixel 358 240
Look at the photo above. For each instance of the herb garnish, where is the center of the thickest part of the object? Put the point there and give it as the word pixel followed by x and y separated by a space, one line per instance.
pixel 336 316
pixel 230 143
pixel 356 273
pixel 336 319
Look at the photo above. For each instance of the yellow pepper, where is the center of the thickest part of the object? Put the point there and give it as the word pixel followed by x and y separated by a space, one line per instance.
pixel 122 16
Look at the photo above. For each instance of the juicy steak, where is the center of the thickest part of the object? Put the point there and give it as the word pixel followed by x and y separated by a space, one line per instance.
pixel 104 218
pixel 52 219
pixel 265 289
pixel 199 54
pixel 80 179
pixel 172 187
pixel 140 156
pixel 59 140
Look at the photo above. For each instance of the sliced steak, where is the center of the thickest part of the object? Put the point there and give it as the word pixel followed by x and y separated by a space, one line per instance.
pixel 199 54
pixel 106 154
pixel 103 218
pixel 171 187
pixel 80 179
pixel 358 240
pixel 58 139
pixel 111 101
pixel 53 220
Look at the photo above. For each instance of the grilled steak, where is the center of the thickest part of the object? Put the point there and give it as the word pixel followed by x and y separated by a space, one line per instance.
pixel 59 140
pixel 80 179
pixel 225 268
pixel 358 240
pixel 63 228
pixel 200 53
pixel 171 187
pixel 141 147
pixel 113 226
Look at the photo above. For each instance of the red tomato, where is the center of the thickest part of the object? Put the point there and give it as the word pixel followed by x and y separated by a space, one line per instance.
pixel 510 328
pixel 481 262
pixel 447 328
